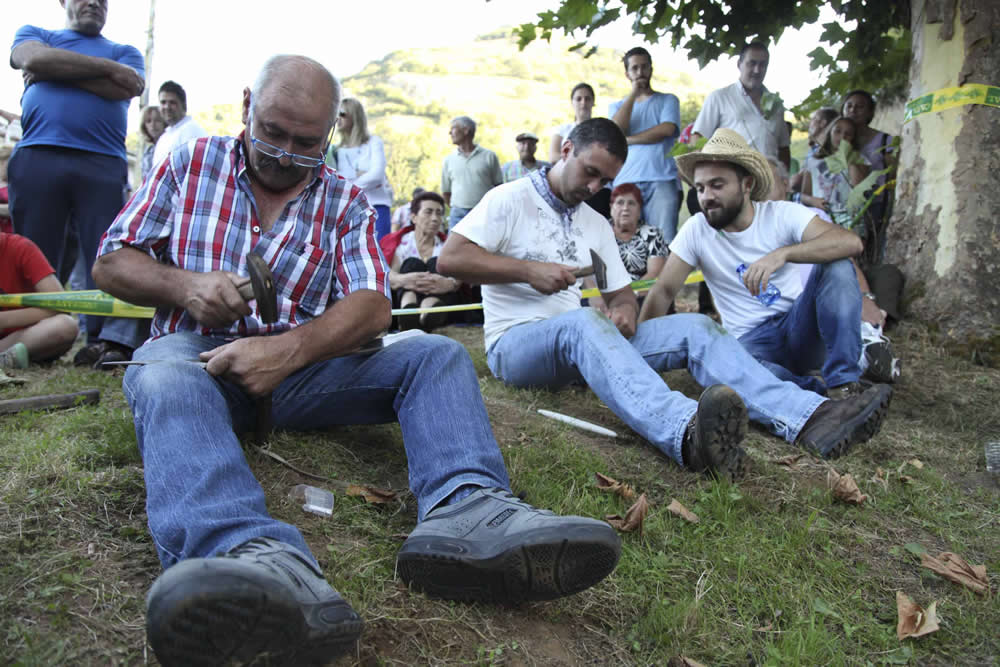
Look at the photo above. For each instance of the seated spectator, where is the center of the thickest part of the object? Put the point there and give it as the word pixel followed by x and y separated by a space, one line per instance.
pixel 151 126
pixel 826 184
pixel 877 148
pixel 817 123
pixel 641 246
pixel 360 157
pixel 401 216
pixel 412 255
pixel 748 250
pixel 6 225
pixel 37 333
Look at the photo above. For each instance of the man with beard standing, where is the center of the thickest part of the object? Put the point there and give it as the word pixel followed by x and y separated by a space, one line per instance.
pixel 805 327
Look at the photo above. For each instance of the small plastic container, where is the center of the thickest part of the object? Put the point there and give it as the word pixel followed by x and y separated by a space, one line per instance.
pixel 993 457
pixel 313 499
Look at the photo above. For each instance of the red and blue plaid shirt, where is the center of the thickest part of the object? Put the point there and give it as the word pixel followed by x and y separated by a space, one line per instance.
pixel 196 211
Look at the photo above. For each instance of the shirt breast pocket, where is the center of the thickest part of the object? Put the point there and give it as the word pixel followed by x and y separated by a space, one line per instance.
pixel 303 276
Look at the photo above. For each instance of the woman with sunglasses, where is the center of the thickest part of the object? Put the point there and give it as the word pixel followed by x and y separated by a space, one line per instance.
pixel 360 157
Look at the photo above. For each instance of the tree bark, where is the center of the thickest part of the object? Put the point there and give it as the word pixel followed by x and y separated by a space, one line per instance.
pixel 944 232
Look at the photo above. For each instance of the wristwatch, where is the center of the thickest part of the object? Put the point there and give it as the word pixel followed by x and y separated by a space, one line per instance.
pixel 869 295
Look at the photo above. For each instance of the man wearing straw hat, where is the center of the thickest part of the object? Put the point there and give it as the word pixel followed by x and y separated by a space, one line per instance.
pixel 522 242
pixel 805 327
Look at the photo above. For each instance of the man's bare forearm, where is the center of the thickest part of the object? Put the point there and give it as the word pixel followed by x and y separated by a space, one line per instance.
pixel 133 276
pixel 100 76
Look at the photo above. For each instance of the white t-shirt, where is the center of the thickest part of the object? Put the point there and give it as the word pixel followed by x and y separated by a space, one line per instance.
pixel 775 224
pixel 513 220
pixel 731 107
pixel 176 135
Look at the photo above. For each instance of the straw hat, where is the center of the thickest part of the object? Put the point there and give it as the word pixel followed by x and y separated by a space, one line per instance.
pixel 728 146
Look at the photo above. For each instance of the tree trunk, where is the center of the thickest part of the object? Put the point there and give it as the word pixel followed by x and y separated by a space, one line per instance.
pixel 944 233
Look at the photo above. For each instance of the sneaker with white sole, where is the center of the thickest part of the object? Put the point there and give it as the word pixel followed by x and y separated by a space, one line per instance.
pixel 878 362
pixel 493 547
pixel 263 599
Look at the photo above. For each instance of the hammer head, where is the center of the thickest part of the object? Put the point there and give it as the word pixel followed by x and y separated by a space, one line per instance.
pixel 263 288
pixel 600 270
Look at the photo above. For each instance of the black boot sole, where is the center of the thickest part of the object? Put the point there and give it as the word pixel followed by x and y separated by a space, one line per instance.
pixel 211 612
pixel 722 426
pixel 544 565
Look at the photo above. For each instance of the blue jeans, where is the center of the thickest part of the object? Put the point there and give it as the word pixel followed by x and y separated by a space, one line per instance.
pixel 455 215
pixel 202 499
pixel 53 189
pixel 584 345
pixel 822 329
pixel 661 200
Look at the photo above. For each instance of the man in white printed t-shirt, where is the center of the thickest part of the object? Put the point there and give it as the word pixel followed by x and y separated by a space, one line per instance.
pixel 522 243
pixel 806 326
pixel 748 107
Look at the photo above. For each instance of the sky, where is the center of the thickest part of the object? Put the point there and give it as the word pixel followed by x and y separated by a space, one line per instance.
pixel 214 48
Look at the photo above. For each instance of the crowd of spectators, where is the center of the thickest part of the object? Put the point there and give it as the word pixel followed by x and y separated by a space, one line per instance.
pixel 316 208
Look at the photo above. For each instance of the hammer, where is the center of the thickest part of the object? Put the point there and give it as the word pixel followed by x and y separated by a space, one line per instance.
pixel 260 287
pixel 597 268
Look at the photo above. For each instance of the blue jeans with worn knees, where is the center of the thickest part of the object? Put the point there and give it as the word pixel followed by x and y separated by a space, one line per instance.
pixel 584 345
pixel 821 330
pixel 202 499
pixel 661 200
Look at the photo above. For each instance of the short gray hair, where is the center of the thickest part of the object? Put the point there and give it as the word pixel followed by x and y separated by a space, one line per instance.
pixel 466 122
pixel 277 63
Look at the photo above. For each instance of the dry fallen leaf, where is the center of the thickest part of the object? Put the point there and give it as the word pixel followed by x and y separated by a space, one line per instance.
pixel 953 567
pixel 844 488
pixel 789 460
pixel 677 509
pixel 633 517
pixel 371 494
pixel 683 661
pixel 905 479
pixel 916 463
pixel 881 477
pixel 605 483
pixel 914 620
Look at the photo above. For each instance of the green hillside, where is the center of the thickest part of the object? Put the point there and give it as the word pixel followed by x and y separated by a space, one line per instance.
pixel 411 96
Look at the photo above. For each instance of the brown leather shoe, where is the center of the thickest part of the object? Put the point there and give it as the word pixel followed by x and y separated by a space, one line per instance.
pixel 835 426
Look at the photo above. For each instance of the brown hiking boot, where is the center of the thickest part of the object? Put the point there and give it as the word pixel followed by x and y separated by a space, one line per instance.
pixel 712 439
pixel 836 426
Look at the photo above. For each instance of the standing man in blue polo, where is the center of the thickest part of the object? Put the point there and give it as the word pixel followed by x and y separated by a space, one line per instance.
pixel 650 121
pixel 468 173
pixel 70 167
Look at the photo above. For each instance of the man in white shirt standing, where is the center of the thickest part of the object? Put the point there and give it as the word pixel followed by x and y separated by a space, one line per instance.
pixel 523 241
pixel 748 107
pixel 181 128
pixel 748 248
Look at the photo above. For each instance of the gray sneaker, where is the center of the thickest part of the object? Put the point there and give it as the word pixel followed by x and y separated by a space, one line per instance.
pixel 263 598
pixel 492 547
pixel 15 356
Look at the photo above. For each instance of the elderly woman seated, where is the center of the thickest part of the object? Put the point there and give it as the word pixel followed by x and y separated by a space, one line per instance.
pixel 641 246
pixel 412 256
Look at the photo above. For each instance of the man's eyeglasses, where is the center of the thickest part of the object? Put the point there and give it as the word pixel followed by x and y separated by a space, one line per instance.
pixel 273 151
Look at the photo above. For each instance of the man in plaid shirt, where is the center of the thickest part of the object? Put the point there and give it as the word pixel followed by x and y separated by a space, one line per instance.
pixel 238 583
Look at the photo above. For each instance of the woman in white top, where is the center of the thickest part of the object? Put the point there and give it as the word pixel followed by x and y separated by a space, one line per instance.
pixel 360 157
pixel 582 98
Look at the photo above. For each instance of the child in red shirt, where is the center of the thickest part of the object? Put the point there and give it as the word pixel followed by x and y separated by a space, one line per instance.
pixel 23 268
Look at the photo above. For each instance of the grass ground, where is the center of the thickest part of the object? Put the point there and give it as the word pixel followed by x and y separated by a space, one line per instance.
pixel 776 572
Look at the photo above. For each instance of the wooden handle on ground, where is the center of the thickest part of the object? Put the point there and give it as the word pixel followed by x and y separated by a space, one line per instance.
pixel 88 397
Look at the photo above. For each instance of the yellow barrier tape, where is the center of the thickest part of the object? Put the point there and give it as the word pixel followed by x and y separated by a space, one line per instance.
pixel 96 302
pixel 948 98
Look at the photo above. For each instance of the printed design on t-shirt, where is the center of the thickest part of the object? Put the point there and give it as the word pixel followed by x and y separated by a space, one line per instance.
pixel 554 240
